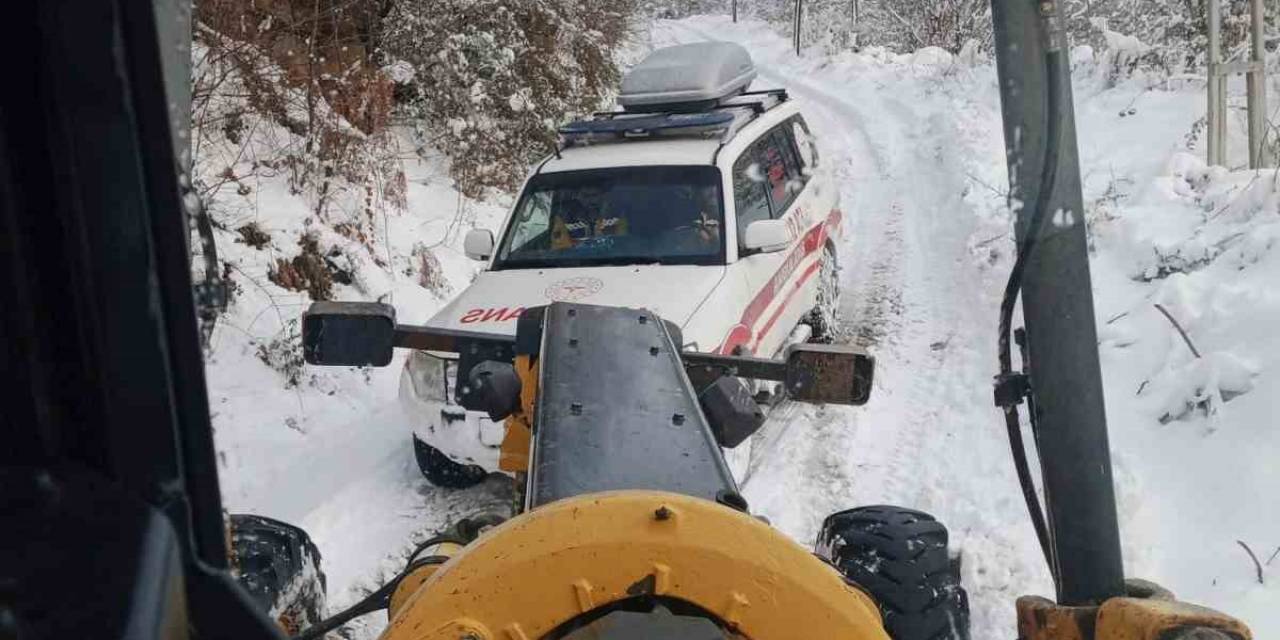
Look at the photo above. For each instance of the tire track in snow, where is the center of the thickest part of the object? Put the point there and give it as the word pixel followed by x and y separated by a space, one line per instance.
pixel 873 246
pixel 814 449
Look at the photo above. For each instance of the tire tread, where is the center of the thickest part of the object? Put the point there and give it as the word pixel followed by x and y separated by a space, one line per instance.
pixel 900 557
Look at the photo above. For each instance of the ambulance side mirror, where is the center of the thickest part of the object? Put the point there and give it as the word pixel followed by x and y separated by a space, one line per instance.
pixel 478 245
pixel 766 236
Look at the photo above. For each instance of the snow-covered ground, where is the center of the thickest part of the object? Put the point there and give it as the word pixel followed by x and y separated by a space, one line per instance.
pixel 918 145
pixel 332 454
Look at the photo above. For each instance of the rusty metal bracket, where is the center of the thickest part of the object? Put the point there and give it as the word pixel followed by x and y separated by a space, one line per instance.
pixel 1149 612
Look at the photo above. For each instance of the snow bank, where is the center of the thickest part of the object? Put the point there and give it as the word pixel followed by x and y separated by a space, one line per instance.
pixel 1196 415
pixel 931 57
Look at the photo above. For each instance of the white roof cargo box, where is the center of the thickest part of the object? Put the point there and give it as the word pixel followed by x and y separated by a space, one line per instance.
pixel 687 77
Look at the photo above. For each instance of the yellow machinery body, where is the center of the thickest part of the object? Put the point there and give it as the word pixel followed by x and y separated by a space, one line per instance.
pixel 527 577
pixel 1150 613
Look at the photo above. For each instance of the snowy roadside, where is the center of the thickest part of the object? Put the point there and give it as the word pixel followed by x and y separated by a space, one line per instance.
pixel 332 452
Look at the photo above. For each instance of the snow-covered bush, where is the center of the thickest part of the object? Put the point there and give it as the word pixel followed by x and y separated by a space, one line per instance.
pixel 1168 35
pixel 283 89
pixel 946 24
pixel 675 9
pixel 900 25
pixel 491 79
pixel 1171 35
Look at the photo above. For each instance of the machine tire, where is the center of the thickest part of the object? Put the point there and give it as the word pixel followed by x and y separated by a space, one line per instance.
pixel 899 556
pixel 824 318
pixel 279 566
pixel 444 472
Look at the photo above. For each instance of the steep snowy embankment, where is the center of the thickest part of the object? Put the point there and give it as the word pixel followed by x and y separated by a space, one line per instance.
pixel 332 452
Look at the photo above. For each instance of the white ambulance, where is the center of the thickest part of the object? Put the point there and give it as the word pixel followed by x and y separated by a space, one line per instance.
pixel 700 200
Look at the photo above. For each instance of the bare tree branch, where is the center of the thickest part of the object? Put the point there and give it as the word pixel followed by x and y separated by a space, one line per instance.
pixel 1256 565
pixel 911 30
pixel 1185 337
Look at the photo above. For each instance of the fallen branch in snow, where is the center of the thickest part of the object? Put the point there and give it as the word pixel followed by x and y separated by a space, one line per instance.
pixel 1273 556
pixel 1230 201
pixel 1116 317
pixel 1185 337
pixel 1256 565
pixel 983 243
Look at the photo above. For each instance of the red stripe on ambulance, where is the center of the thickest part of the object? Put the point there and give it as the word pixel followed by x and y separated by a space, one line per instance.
pixel 813 241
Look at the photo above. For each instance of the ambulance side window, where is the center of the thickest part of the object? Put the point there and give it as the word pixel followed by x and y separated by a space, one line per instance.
pixel 750 188
pixel 782 169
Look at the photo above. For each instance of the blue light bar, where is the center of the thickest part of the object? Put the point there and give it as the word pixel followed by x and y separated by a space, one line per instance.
pixel 706 123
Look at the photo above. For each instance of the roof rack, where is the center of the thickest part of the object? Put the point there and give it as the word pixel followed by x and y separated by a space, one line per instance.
pixel 720 121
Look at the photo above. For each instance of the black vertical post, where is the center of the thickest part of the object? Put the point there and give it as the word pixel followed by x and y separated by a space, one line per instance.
pixel 735 10
pixel 857 23
pixel 1058 308
pixel 799 15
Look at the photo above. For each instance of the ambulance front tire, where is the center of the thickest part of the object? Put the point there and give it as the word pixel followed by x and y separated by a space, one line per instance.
pixel 444 472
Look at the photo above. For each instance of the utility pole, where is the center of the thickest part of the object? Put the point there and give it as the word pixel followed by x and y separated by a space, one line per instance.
pixel 1257 81
pixel 799 15
pixel 857 22
pixel 1255 70
pixel 1216 115
pixel 1057 304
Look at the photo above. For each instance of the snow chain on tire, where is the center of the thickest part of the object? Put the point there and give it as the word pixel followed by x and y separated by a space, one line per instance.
pixel 899 556
pixel 279 565
pixel 824 318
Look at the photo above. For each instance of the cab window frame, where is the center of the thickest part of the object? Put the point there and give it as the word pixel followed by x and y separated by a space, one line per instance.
pixel 799 121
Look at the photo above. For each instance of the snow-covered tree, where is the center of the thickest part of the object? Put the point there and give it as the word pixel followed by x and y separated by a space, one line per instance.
pixel 1174 32
pixel 490 80
pixel 674 9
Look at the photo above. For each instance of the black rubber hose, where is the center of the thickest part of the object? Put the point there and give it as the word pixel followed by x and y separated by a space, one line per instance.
pixel 1040 214
pixel 381 598
pixel 373 602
